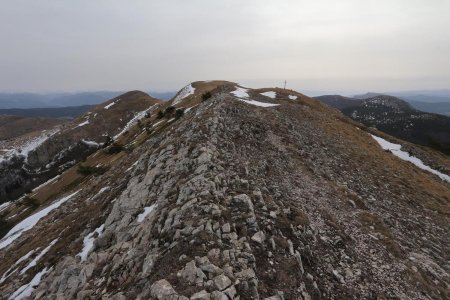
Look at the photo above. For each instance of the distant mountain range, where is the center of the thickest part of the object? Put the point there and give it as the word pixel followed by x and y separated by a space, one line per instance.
pixel 48 112
pixel 395 117
pixel 34 100
pixel 428 101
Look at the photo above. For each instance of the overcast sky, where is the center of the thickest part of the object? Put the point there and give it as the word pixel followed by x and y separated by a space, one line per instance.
pixel 357 45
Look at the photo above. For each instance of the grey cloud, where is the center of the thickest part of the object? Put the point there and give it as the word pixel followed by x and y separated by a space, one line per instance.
pixel 161 45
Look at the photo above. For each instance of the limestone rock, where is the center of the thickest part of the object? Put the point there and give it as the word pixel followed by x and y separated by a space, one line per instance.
pixel 202 295
pixel 259 237
pixel 216 295
pixel 162 290
pixel 222 282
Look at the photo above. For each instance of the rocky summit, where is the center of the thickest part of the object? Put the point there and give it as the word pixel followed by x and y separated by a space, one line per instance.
pixel 228 193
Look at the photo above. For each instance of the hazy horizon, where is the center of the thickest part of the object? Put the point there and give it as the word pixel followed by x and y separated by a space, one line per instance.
pixel 312 93
pixel 350 46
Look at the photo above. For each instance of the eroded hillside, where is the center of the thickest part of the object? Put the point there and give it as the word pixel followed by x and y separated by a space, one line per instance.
pixel 29 160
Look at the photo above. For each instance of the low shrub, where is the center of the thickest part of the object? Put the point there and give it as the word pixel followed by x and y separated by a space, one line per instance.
pixel 30 202
pixel 179 113
pixel 88 170
pixel 114 148
pixel 5 225
pixel 160 114
pixel 206 96
pixel 109 141
pixel 169 110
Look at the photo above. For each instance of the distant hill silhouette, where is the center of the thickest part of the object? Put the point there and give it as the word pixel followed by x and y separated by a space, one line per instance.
pixel 50 112
pixel 396 117
pixel 35 100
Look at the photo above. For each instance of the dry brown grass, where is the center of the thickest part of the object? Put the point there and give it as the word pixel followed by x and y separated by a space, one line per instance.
pixel 369 220
pixel 367 156
pixel 426 283
pixel 16 126
pixel 298 217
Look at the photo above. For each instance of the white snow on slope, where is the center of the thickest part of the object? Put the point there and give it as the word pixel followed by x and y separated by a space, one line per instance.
pixel 3 206
pixel 132 166
pixel 109 105
pixel 103 189
pixel 82 124
pixel 9 153
pixel 32 220
pixel 257 103
pixel 146 212
pixel 90 143
pixel 240 92
pixel 189 108
pixel 242 95
pixel 88 242
pixel 29 146
pixel 293 97
pixel 38 257
pixel 26 290
pixel 33 144
pixel 9 272
pixel 270 94
pixel 157 123
pixel 396 150
pixel 138 116
pixel 186 91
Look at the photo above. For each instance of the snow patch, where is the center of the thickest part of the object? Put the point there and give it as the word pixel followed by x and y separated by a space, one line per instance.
pixel 32 220
pixel 258 103
pixel 270 94
pixel 88 242
pixel 9 273
pixel 189 108
pixel 37 142
pixel 28 146
pixel 138 116
pixel 103 189
pixel 242 94
pixel 90 143
pixel 292 97
pixel 396 150
pixel 132 166
pixel 185 92
pixel 157 123
pixel 37 258
pixel 26 290
pixel 3 206
pixel 146 212
pixel 82 124
pixel 109 105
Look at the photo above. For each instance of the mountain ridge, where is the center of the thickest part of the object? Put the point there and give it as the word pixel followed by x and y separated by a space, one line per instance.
pixel 236 193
